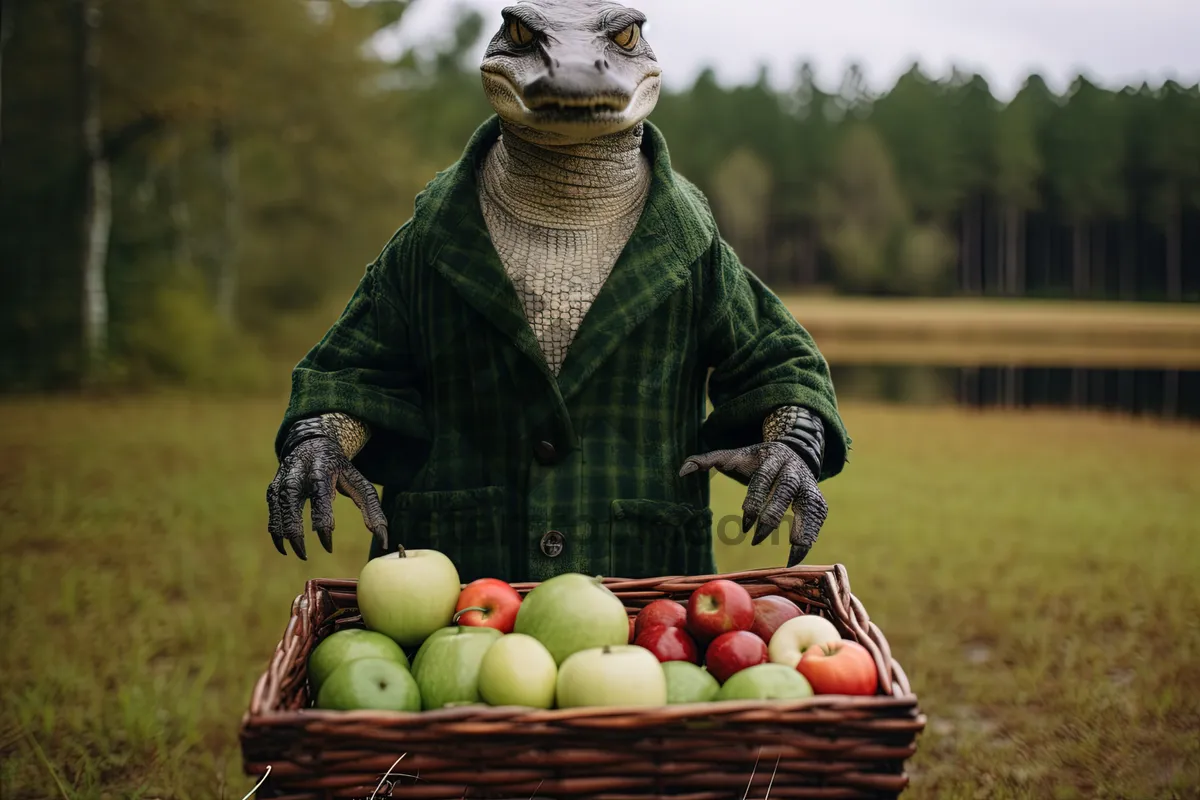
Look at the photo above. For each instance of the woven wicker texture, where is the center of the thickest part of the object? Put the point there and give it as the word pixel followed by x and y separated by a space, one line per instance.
pixel 820 747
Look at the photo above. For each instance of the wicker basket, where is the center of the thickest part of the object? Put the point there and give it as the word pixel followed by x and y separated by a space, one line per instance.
pixel 821 747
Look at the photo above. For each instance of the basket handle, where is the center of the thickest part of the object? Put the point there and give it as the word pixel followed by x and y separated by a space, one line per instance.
pixel 891 677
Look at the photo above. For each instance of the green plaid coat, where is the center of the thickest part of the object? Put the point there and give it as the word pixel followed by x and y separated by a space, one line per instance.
pixel 484 455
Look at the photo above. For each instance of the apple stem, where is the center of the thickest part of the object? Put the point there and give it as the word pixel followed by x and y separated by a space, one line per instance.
pixel 465 610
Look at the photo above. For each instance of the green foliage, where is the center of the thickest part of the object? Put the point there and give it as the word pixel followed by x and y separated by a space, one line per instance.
pixel 917 125
pixel 926 260
pixel 869 226
pixel 180 341
pixel 1017 158
pixel 863 214
pixel 1085 152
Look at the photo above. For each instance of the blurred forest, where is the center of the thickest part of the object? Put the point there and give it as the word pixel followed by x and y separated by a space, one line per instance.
pixel 190 189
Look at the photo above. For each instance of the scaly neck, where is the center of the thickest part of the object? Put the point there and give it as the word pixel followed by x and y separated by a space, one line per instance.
pixel 573 187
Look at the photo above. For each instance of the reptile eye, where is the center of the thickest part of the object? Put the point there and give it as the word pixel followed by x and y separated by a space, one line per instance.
pixel 519 33
pixel 628 38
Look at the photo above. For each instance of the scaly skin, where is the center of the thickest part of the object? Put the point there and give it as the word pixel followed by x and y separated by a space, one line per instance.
pixel 559 218
pixel 351 434
pixel 562 190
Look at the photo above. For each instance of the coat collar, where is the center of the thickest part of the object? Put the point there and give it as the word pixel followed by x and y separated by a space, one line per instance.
pixel 675 228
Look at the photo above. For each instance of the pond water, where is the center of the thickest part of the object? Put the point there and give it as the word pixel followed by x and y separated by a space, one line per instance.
pixel 1167 393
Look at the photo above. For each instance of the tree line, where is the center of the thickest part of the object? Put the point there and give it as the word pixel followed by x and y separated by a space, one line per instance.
pixel 190 188
pixel 938 187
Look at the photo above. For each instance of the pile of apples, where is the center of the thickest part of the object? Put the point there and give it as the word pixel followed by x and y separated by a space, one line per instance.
pixel 729 645
pixel 428 642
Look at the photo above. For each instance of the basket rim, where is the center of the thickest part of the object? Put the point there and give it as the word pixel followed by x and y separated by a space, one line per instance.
pixel 682 712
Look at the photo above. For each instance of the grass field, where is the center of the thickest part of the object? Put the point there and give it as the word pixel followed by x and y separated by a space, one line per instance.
pixel 1035 573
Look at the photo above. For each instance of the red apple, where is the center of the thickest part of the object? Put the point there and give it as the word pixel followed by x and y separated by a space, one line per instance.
pixel 718 607
pixel 732 652
pixel 668 643
pixel 841 667
pixel 771 611
pixel 488 603
pixel 660 612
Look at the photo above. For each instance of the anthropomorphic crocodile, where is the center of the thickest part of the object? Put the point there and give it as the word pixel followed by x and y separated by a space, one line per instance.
pixel 524 367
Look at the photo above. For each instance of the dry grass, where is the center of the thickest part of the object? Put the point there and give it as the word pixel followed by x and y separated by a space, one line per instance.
pixel 1035 573
pixel 1063 316
pixel 996 331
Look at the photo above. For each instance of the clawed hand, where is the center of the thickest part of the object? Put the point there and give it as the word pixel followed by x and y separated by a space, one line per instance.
pixel 312 471
pixel 767 466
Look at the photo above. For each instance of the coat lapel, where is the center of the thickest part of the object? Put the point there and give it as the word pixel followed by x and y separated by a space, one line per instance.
pixel 465 256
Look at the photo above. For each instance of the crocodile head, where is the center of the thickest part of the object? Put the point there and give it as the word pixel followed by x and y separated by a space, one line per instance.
pixel 569 71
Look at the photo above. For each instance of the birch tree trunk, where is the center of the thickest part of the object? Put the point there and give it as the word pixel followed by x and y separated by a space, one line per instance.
pixel 181 224
pixel 227 257
pixel 97 216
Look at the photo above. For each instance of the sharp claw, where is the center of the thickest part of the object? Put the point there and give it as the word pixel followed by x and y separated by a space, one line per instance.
pixel 688 468
pixel 326 538
pixel 278 540
pixel 798 553
pixel 748 522
pixel 298 548
pixel 762 533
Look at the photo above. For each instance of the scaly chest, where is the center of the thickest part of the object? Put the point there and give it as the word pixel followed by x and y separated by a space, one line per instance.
pixel 557 272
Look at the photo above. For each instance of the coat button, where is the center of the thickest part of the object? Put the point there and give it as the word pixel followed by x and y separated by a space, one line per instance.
pixel 545 452
pixel 552 544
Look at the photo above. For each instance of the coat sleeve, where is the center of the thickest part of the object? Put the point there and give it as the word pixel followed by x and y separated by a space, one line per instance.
pixel 761 358
pixel 363 367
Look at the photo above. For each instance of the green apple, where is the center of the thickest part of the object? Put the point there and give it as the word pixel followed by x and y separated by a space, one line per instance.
pixel 689 683
pixel 573 612
pixel 612 675
pixel 408 598
pixel 518 670
pixel 349 644
pixel 447 666
pixel 378 684
pixel 767 681
pixel 433 637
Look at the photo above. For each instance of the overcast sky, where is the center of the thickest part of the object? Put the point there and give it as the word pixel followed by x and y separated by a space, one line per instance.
pixel 1112 41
